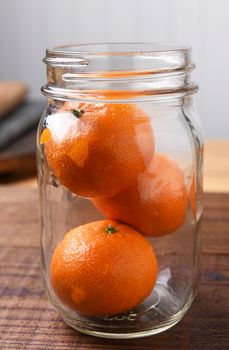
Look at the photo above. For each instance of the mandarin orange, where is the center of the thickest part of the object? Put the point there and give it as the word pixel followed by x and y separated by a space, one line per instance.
pixel 156 205
pixel 103 268
pixel 98 149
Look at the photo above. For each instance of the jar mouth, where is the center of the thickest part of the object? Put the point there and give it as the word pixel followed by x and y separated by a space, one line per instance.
pixel 136 68
pixel 114 48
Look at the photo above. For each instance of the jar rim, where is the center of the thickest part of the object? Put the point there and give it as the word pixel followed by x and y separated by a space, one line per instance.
pixel 144 56
pixel 141 68
pixel 116 48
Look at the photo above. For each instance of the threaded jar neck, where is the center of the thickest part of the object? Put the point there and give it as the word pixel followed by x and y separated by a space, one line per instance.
pixel 120 71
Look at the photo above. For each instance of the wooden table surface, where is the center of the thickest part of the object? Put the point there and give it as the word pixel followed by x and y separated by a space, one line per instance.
pixel 28 321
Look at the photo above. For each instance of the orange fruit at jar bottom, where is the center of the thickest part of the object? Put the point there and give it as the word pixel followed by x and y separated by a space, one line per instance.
pixel 156 205
pixel 103 268
pixel 97 149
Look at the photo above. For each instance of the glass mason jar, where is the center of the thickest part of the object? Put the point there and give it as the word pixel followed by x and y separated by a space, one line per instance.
pixel 120 182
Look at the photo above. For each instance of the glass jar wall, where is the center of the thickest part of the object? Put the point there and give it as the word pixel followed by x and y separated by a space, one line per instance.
pixel 120 182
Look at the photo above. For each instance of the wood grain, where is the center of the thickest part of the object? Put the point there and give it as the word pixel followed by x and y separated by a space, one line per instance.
pixel 28 321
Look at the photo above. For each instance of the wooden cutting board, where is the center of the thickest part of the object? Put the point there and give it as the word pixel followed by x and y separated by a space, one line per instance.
pixel 12 94
pixel 18 140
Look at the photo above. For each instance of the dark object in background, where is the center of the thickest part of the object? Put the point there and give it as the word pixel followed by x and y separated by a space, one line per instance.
pixel 22 119
pixel 19 158
pixel 18 140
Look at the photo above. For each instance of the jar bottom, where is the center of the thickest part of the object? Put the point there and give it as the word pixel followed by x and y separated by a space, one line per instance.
pixel 159 312
pixel 129 335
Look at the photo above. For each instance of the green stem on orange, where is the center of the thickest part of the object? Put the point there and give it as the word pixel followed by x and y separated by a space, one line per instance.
pixel 110 229
pixel 77 112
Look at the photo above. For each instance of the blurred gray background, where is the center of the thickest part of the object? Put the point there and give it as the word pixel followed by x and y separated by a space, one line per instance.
pixel 27 27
